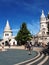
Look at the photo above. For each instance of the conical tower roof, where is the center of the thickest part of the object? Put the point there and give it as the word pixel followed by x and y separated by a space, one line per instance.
pixel 42 16
pixel 7 27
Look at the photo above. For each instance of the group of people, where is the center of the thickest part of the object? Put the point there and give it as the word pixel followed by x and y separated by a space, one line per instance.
pixel 29 46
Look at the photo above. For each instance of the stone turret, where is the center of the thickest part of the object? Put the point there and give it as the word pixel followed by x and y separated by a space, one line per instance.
pixel 43 25
pixel 7 31
pixel 48 23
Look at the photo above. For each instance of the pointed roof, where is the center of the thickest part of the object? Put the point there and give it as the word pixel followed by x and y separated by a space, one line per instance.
pixel 7 27
pixel 42 16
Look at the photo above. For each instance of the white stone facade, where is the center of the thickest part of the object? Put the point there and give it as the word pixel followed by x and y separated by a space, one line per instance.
pixel 7 35
pixel 7 31
pixel 43 35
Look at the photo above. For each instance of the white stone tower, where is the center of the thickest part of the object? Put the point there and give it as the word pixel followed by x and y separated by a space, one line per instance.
pixel 7 31
pixel 43 25
pixel 47 18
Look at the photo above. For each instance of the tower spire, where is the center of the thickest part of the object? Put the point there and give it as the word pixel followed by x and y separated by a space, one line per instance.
pixel 7 31
pixel 7 27
pixel 42 12
pixel 42 16
pixel 7 24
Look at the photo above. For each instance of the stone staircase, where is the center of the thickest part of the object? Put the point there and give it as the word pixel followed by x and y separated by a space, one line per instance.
pixel 40 59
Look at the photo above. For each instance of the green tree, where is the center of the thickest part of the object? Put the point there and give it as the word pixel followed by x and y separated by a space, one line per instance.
pixel 23 34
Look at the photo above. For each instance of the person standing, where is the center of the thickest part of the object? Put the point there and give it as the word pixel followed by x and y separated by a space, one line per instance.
pixel 29 47
pixel 3 49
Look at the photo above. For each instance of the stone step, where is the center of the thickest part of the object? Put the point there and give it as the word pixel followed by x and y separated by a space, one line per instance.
pixel 31 60
pixel 37 60
pixel 47 62
pixel 40 59
pixel 43 61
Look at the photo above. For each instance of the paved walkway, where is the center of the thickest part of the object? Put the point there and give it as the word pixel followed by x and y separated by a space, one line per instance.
pixel 40 59
pixel 21 47
pixel 13 47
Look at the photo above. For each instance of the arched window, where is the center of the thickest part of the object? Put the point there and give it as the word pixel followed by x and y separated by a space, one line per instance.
pixel 6 34
pixel 43 29
pixel 43 33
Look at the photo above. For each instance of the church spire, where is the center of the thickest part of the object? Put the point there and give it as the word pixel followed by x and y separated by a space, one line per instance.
pixel 7 24
pixel 42 12
pixel 42 16
pixel 7 27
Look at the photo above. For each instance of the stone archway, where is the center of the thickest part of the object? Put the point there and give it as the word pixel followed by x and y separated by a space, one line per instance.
pixel 6 43
pixel 13 43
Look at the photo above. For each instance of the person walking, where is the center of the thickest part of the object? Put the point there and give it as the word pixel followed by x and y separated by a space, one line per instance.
pixel 29 47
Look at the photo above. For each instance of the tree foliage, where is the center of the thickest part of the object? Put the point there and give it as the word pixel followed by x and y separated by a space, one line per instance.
pixel 23 34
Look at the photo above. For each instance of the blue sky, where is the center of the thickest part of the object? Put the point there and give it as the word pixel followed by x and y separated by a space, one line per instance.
pixel 18 11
